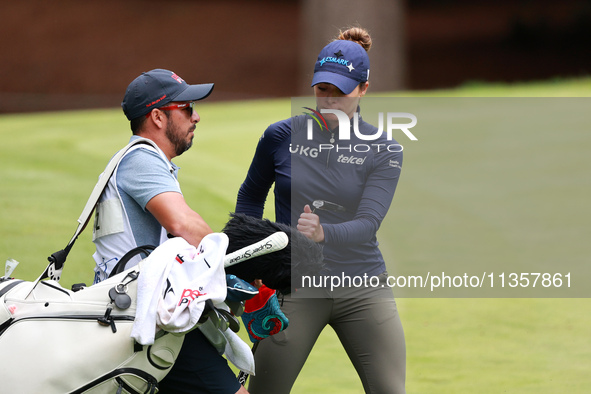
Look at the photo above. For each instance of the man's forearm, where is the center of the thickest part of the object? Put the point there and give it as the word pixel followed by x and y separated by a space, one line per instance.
pixel 173 213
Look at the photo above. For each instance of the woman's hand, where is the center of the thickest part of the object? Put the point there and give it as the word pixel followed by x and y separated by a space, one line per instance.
pixel 309 225
pixel 258 283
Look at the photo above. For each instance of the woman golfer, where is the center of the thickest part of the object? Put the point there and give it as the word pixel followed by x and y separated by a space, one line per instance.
pixel 360 183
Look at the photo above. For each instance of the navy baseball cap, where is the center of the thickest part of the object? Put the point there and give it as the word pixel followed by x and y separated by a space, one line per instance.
pixel 342 63
pixel 157 88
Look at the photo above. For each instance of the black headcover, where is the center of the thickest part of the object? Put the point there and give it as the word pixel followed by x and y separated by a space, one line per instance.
pixel 301 255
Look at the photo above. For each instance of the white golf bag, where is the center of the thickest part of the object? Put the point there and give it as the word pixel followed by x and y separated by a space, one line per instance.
pixel 54 340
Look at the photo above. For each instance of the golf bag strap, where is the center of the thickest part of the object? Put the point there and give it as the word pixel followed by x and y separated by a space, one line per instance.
pixel 58 259
pixel 120 267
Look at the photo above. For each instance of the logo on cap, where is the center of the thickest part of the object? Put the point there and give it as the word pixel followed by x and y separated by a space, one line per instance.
pixel 177 78
pixel 336 59
pixel 156 101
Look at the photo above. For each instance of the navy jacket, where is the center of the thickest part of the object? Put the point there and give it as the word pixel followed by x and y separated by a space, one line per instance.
pixel 357 174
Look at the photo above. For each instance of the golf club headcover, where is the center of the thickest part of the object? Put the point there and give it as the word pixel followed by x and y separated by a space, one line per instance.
pixel 262 315
pixel 238 289
pixel 301 256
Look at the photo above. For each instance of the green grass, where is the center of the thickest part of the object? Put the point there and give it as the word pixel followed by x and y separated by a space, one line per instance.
pixel 466 196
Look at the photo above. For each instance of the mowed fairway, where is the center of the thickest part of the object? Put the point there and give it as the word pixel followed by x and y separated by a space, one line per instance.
pixel 49 163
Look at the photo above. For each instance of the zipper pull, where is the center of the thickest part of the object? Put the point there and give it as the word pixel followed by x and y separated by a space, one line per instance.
pixel 108 320
pixel 332 138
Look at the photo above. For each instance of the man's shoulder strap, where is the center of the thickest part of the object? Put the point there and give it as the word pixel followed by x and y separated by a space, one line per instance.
pixel 102 184
pixel 58 259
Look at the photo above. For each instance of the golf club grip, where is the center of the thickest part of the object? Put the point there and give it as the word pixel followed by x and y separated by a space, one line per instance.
pixel 272 243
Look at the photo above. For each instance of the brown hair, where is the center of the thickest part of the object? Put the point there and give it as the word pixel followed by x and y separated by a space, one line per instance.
pixel 358 35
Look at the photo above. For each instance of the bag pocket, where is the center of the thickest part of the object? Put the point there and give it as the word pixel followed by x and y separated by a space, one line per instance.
pixel 108 218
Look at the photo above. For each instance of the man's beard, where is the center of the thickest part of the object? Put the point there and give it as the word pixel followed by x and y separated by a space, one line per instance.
pixel 179 142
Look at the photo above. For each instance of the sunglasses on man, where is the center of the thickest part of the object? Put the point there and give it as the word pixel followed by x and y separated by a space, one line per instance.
pixel 189 107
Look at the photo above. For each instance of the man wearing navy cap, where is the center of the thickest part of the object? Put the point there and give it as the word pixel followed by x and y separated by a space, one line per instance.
pixel 143 205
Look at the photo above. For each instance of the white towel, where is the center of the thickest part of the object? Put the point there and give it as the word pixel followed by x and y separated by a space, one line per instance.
pixel 239 353
pixel 229 343
pixel 174 281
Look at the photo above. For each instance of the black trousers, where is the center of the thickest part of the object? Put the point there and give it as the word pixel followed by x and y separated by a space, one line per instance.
pixel 199 369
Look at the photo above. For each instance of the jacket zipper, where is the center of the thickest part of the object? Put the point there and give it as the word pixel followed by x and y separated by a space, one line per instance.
pixel 328 155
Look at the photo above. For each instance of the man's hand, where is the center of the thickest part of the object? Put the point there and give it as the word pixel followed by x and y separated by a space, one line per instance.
pixel 173 213
pixel 309 225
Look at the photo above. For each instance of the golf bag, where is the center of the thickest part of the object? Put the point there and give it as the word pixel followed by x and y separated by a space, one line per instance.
pixel 55 340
